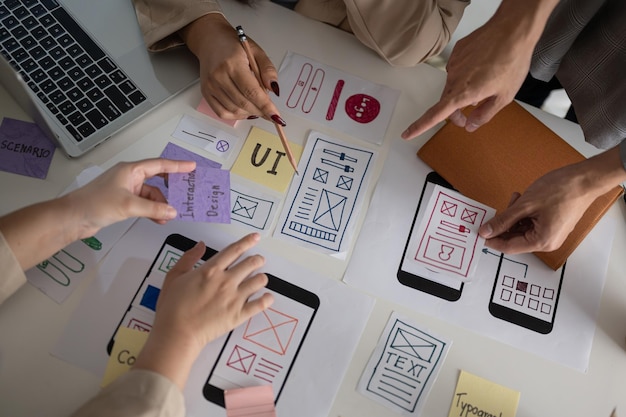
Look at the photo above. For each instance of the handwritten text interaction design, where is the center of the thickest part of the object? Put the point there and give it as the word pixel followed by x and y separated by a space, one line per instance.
pixel 202 195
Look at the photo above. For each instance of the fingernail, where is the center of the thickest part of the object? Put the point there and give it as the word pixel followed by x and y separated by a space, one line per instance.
pixel 405 134
pixel 275 88
pixel 253 117
pixel 279 120
pixel 170 213
pixel 486 231
pixel 470 127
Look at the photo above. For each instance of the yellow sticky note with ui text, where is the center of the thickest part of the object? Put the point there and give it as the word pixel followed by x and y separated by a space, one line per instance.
pixel 264 161
pixel 128 344
pixel 476 396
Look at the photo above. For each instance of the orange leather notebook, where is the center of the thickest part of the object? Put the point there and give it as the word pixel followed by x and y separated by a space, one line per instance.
pixel 506 155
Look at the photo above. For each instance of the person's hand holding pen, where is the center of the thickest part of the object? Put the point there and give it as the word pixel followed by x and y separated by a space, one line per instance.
pixel 227 83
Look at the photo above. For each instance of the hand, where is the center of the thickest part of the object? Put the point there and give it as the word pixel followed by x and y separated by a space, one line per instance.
pixel 196 306
pixel 541 219
pixel 487 67
pixel 120 193
pixel 227 83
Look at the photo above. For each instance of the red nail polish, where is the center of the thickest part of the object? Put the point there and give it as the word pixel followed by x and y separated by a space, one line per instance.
pixel 253 117
pixel 275 88
pixel 278 120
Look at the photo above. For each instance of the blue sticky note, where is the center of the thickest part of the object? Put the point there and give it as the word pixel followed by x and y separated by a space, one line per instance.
pixel 150 297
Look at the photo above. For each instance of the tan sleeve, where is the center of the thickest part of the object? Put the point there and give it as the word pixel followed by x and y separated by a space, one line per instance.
pixel 407 32
pixel 137 393
pixel 12 277
pixel 160 20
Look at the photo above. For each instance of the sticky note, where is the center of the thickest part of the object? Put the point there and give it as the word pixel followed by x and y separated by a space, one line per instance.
pixel 263 160
pixel 172 151
pixel 150 297
pixel 476 396
pixel 204 108
pixel 24 149
pixel 202 195
pixel 128 344
pixel 250 402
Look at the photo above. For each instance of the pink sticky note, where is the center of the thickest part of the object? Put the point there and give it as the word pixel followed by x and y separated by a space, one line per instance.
pixel 251 402
pixel 204 108
pixel 202 195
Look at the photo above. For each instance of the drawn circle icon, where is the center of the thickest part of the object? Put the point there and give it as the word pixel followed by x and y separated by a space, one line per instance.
pixel 222 145
pixel 362 108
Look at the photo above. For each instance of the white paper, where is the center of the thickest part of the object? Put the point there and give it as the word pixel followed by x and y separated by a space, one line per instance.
pixel 321 362
pixel 384 236
pixel 251 207
pixel 445 240
pixel 203 135
pixel 404 366
pixel 324 201
pixel 59 275
pixel 334 98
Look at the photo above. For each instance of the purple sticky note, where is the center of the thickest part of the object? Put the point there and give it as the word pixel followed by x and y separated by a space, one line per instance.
pixel 202 195
pixel 172 151
pixel 24 149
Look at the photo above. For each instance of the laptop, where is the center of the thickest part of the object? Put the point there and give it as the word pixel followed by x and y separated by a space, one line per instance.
pixel 81 70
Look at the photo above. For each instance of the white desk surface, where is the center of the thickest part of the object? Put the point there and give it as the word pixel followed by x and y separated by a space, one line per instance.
pixel 33 383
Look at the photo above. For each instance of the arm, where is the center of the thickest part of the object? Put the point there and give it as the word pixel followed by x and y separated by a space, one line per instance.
pixel 195 306
pixel 424 27
pixel 543 217
pixel 227 84
pixel 487 67
pixel 38 231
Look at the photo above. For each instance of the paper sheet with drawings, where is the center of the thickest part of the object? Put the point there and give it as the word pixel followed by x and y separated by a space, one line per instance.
pixel 334 98
pixel 83 342
pixel 384 234
pixel 324 201
pixel 403 366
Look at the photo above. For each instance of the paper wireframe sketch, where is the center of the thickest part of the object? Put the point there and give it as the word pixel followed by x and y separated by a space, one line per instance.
pixel 334 98
pixel 60 274
pixel 404 366
pixel 324 200
pixel 251 206
pixel 203 135
pixel 446 241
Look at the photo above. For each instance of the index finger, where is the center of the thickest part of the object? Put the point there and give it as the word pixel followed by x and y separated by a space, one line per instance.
pixel 227 256
pixel 155 166
pixel 434 115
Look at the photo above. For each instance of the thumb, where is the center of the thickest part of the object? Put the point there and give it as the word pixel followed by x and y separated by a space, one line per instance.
pixel 155 210
pixel 500 223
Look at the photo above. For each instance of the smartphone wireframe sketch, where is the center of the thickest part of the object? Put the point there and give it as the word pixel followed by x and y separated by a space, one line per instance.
pixel 140 312
pixel 526 298
pixel 264 349
pixel 417 276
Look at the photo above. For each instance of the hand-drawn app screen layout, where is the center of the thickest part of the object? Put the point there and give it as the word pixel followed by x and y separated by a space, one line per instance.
pixel 141 310
pixel 334 98
pixel 416 274
pixel 263 350
pixel 526 298
pixel 319 208
pixel 406 367
pixel 447 240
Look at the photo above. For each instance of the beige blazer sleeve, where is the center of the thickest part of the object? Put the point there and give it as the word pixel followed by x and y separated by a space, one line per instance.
pixel 403 32
pixel 12 277
pixel 161 19
pixel 137 393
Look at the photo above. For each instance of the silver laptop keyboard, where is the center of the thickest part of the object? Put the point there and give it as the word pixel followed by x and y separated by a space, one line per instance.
pixel 82 87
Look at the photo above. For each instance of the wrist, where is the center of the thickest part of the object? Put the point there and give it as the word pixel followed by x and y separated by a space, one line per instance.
pixel 526 19
pixel 601 173
pixel 200 30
